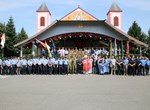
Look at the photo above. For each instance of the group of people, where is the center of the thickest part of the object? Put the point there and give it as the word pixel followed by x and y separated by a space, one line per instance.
pixel 87 61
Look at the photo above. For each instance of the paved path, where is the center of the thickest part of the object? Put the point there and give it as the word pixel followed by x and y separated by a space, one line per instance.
pixel 74 92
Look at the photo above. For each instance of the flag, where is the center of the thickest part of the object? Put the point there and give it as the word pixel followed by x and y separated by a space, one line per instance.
pixel 48 49
pixel 43 44
pixel 115 47
pixel 52 45
pixel 3 40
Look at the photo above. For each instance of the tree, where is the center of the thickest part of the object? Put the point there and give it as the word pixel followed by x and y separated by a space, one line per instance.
pixel 22 35
pixel 11 34
pixel 135 30
pixel 147 41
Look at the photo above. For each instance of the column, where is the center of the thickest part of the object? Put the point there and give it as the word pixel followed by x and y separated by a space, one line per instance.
pixel 33 53
pixel 122 49
pixel 21 51
pixel 127 49
pixel 140 51
pixel 110 48
pixel 115 47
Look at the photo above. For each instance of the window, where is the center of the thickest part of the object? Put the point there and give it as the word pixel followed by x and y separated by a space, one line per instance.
pixel 42 21
pixel 116 21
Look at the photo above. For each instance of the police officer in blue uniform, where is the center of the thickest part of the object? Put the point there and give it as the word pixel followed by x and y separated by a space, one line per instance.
pixel 45 62
pixel 14 62
pixel 65 65
pixel 24 65
pixel 56 66
pixel 60 65
pixel 50 66
pixel 29 63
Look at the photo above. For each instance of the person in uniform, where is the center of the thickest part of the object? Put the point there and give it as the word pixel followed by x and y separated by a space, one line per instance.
pixel 24 65
pixel 14 62
pixel 112 65
pixel 119 63
pixel 131 66
pixel 60 65
pixel 74 64
pixel 39 65
pixel 56 66
pixel 50 66
pixel 19 64
pixel 137 66
pixel 79 64
pixel 29 63
pixel 34 65
pixel 147 66
pixel 65 65
pixel 143 63
pixel 70 64
pixel 45 63
pixel 6 66
pixel 125 65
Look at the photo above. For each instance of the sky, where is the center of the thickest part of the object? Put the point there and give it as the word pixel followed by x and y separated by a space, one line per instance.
pixel 24 11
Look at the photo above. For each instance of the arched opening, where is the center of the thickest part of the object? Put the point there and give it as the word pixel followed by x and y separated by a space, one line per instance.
pixel 116 21
pixel 42 21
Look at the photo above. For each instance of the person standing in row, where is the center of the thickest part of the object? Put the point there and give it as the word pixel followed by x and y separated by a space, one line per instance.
pixel 24 65
pixel 147 66
pixel 19 64
pixel 50 66
pixel 125 65
pixel 113 65
pixel 29 63
pixel 65 63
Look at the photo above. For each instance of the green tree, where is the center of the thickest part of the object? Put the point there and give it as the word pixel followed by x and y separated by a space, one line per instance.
pixel 135 30
pixel 11 35
pixel 147 41
pixel 22 35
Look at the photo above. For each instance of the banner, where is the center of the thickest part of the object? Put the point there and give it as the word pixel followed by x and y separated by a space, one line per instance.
pixel 3 40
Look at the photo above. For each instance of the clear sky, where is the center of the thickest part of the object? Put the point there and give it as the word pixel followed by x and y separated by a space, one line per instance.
pixel 24 11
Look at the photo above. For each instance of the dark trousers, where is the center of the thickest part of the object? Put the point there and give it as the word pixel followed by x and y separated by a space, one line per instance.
pixel 44 69
pixel 39 69
pixel 29 69
pixel 147 69
pixel 35 69
pixel 132 70
pixel 24 69
pixel 13 69
pixel 50 69
pixel 60 68
pixel 79 69
pixel 143 70
pixel 119 69
pixel 65 68
pixel 55 69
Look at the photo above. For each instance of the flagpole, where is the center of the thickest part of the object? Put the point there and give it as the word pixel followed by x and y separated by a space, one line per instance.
pixel 2 52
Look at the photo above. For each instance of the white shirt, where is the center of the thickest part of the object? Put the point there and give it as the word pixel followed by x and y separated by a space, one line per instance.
pixel 113 61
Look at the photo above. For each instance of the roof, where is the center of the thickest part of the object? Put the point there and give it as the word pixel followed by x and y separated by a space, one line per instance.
pixel 130 38
pixel 114 8
pixel 43 8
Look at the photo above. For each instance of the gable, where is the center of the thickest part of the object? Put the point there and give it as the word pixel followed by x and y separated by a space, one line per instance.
pixel 78 14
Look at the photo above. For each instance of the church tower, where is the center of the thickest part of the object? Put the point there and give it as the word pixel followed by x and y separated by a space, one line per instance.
pixel 42 18
pixel 114 16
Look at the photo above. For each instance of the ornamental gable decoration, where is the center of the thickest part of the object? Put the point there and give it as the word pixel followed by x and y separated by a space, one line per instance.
pixel 79 15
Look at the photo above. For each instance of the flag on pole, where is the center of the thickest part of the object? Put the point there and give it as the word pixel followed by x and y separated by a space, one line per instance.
pixel 48 49
pixel 43 44
pixel 3 40
pixel 52 45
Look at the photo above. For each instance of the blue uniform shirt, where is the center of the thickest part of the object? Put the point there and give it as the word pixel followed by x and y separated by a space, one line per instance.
pixel 143 62
pixel 125 61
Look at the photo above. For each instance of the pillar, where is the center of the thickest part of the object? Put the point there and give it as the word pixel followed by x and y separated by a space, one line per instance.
pixel 140 51
pixel 110 48
pixel 115 47
pixel 21 51
pixel 33 53
pixel 127 49
pixel 122 49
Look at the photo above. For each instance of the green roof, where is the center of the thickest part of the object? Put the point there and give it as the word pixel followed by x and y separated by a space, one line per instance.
pixel 42 8
pixel 114 7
